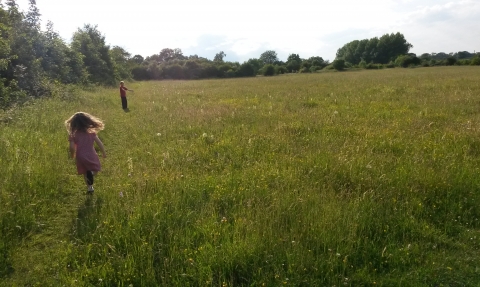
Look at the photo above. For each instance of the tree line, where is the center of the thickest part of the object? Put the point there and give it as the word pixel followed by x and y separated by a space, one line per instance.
pixel 36 63
pixel 392 50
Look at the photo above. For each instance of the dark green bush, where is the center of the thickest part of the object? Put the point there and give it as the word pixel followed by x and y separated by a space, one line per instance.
pixel 246 70
pixel 315 68
pixel 268 70
pixel 304 70
pixel 475 61
pixel 339 64
pixel 407 61
pixel 281 70
pixel 390 65
pixel 140 73
pixel 362 64
pixel 450 61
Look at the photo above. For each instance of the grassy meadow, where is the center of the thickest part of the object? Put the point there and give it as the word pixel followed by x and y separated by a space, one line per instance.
pixel 367 178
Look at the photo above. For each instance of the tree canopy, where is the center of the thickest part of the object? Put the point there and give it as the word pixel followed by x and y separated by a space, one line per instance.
pixel 269 57
pixel 376 50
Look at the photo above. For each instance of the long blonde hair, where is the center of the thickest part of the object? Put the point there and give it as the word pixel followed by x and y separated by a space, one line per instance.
pixel 83 122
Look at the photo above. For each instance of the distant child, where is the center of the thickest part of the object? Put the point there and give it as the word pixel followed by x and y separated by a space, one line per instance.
pixel 123 95
pixel 82 129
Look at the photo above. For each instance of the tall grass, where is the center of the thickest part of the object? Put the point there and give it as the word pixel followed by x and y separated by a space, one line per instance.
pixel 334 179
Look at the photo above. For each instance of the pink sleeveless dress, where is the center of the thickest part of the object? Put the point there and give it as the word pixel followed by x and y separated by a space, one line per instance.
pixel 86 157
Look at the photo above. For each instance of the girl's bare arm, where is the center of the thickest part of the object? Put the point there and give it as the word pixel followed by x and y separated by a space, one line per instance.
pixel 100 145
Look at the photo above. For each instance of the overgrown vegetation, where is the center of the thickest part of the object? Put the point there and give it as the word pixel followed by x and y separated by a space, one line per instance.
pixel 345 179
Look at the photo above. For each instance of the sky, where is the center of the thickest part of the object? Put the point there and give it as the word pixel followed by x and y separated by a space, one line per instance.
pixel 247 28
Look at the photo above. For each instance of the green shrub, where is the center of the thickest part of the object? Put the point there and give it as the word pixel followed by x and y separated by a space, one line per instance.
pixel 328 67
pixel 475 61
pixel 362 64
pixel 174 71
pixel 140 73
pixel 372 66
pixel 230 74
pixel 246 70
pixel 450 61
pixel 463 62
pixel 281 70
pixel 390 65
pixel 268 70
pixel 304 70
pixel 339 64
pixel 407 61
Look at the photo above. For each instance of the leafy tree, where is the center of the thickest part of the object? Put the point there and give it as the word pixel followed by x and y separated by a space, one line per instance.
pixel 209 70
pixel 376 50
pixel 463 55
pixel 440 56
pixel 155 71
pixel 10 22
pixel 223 69
pixel 317 61
pixel 137 59
pixel 256 63
pixel 77 71
pixel 450 61
pixel 246 70
pixel 5 58
pixel 425 56
pixel 5 51
pixel 33 16
pixel 294 57
pixel 122 67
pixel 293 63
pixel 475 60
pixel 59 61
pixel 192 69
pixel 292 66
pixel 167 55
pixel 96 54
pixel 306 64
pixel 355 51
pixel 370 53
pixel 26 42
pixel 219 57
pixel 140 73
pixel 173 71
pixel 268 57
pixel 391 46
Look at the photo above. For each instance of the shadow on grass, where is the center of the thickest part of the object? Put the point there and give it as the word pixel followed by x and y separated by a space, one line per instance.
pixel 87 220
pixel 6 267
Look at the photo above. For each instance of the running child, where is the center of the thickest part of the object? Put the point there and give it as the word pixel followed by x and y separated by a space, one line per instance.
pixel 82 130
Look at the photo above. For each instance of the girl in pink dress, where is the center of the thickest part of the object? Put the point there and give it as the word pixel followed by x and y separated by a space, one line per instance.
pixel 82 130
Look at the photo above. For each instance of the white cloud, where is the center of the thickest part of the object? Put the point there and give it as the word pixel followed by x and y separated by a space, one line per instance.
pixel 443 27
